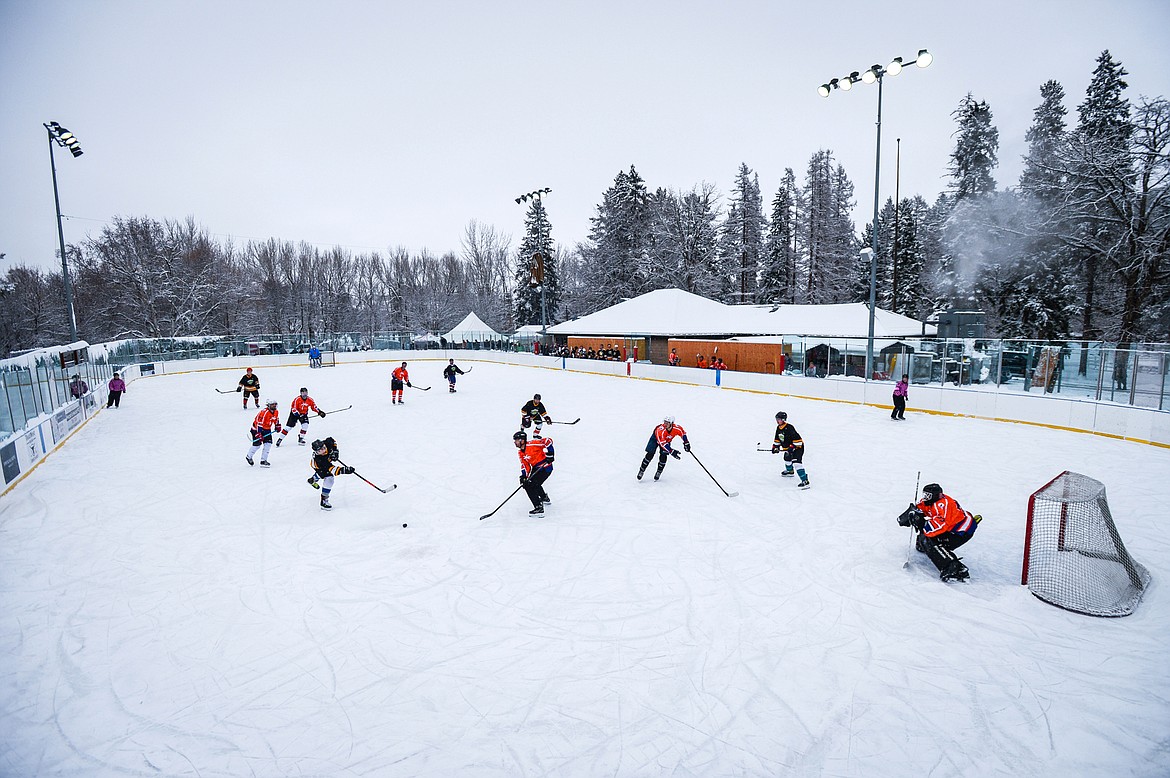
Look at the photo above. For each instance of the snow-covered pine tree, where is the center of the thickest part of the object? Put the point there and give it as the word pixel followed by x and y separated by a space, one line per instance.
pixel 1045 299
pixel 972 165
pixel 617 248
pixel 1099 143
pixel 778 276
pixel 685 240
pixel 532 274
pixel 976 153
pixel 742 237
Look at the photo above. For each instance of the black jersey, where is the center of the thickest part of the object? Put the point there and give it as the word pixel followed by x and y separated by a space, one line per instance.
pixel 534 409
pixel 787 437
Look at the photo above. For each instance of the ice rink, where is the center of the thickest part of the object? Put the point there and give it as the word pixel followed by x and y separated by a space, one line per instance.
pixel 169 610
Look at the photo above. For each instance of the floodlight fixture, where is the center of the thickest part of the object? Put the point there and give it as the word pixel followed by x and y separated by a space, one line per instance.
pixel 65 139
pixel 924 58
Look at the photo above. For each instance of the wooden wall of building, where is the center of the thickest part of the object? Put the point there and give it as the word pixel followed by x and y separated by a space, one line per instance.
pixel 748 357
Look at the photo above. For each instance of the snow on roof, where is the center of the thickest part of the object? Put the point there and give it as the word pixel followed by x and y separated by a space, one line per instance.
pixel 471 328
pixel 673 312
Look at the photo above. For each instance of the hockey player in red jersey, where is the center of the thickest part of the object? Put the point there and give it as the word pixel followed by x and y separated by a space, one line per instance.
pixel 536 465
pixel 942 526
pixel 399 377
pixel 266 422
pixel 298 411
pixel 660 441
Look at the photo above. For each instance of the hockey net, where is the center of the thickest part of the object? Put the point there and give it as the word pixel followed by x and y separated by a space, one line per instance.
pixel 1073 554
pixel 328 359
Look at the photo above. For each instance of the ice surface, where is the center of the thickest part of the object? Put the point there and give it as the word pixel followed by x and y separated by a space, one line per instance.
pixel 168 610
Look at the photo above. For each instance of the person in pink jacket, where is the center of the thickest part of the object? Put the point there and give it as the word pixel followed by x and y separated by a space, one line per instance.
pixel 117 387
pixel 901 393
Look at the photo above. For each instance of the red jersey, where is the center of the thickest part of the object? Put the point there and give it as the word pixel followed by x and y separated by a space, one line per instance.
pixel 537 453
pixel 664 436
pixel 266 420
pixel 945 515
pixel 302 405
pixel 400 374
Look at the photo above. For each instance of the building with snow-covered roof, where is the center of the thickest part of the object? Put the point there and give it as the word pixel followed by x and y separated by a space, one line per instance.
pixel 758 338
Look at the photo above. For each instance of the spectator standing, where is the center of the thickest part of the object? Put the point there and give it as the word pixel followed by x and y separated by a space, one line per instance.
pixel 78 386
pixel 117 387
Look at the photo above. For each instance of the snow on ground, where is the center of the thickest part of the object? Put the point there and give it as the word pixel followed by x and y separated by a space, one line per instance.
pixel 169 610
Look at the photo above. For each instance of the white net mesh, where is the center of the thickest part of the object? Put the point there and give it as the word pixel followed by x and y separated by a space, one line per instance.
pixel 1073 554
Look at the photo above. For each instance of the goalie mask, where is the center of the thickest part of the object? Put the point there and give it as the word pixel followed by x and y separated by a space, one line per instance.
pixel 931 493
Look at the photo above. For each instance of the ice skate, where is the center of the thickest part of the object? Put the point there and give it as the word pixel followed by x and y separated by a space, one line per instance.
pixel 249 458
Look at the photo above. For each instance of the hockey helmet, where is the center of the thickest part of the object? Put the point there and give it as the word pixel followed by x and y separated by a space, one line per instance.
pixel 668 420
pixel 931 493
pixel 271 403
pixel 536 397
pixel 520 437
pixel 249 370
pixel 781 416
pixel 304 390
pixel 318 445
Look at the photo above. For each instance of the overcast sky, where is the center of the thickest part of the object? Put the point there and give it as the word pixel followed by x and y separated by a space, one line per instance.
pixel 372 125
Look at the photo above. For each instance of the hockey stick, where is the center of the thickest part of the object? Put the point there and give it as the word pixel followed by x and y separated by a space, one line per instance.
pixel 371 483
pixel 766 450
pixel 468 370
pixel 420 388
pixel 339 410
pixel 221 391
pixel 501 505
pixel 913 532
pixel 574 421
pixel 708 472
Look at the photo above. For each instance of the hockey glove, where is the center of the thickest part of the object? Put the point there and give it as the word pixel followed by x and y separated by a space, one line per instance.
pixel 686 447
pixel 239 388
pixel 776 449
pixel 313 482
pixel 321 414
pixel 548 419
pixel 676 455
pixel 408 383
pixel 347 470
pixel 523 478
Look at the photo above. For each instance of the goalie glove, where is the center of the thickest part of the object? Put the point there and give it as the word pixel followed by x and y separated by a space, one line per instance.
pixel 911 517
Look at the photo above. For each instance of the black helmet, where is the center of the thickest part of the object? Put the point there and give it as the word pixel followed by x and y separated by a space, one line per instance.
pixel 781 416
pixel 930 493
pixel 520 435
pixel 318 444
pixel 536 397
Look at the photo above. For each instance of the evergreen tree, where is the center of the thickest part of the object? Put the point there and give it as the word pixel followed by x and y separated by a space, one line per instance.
pixel 1100 142
pixel 743 237
pixel 536 270
pixel 617 252
pixel 685 240
pixel 830 243
pixel 778 276
pixel 1046 295
pixel 976 150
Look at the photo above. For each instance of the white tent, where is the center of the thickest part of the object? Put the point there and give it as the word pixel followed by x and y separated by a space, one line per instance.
pixel 472 329
pixel 673 312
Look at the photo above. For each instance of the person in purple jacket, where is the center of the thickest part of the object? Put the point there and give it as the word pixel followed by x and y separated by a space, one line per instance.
pixel 117 386
pixel 901 392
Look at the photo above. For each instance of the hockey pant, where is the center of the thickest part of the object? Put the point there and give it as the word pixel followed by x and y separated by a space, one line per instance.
pixel 663 455
pixel 941 548
pixel 534 486
pixel 261 438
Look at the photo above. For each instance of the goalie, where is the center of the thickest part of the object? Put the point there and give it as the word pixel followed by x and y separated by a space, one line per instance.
pixel 942 526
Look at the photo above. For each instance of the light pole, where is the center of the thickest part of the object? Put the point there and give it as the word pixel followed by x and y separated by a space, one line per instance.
pixel 65 139
pixel 875 73
pixel 538 257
